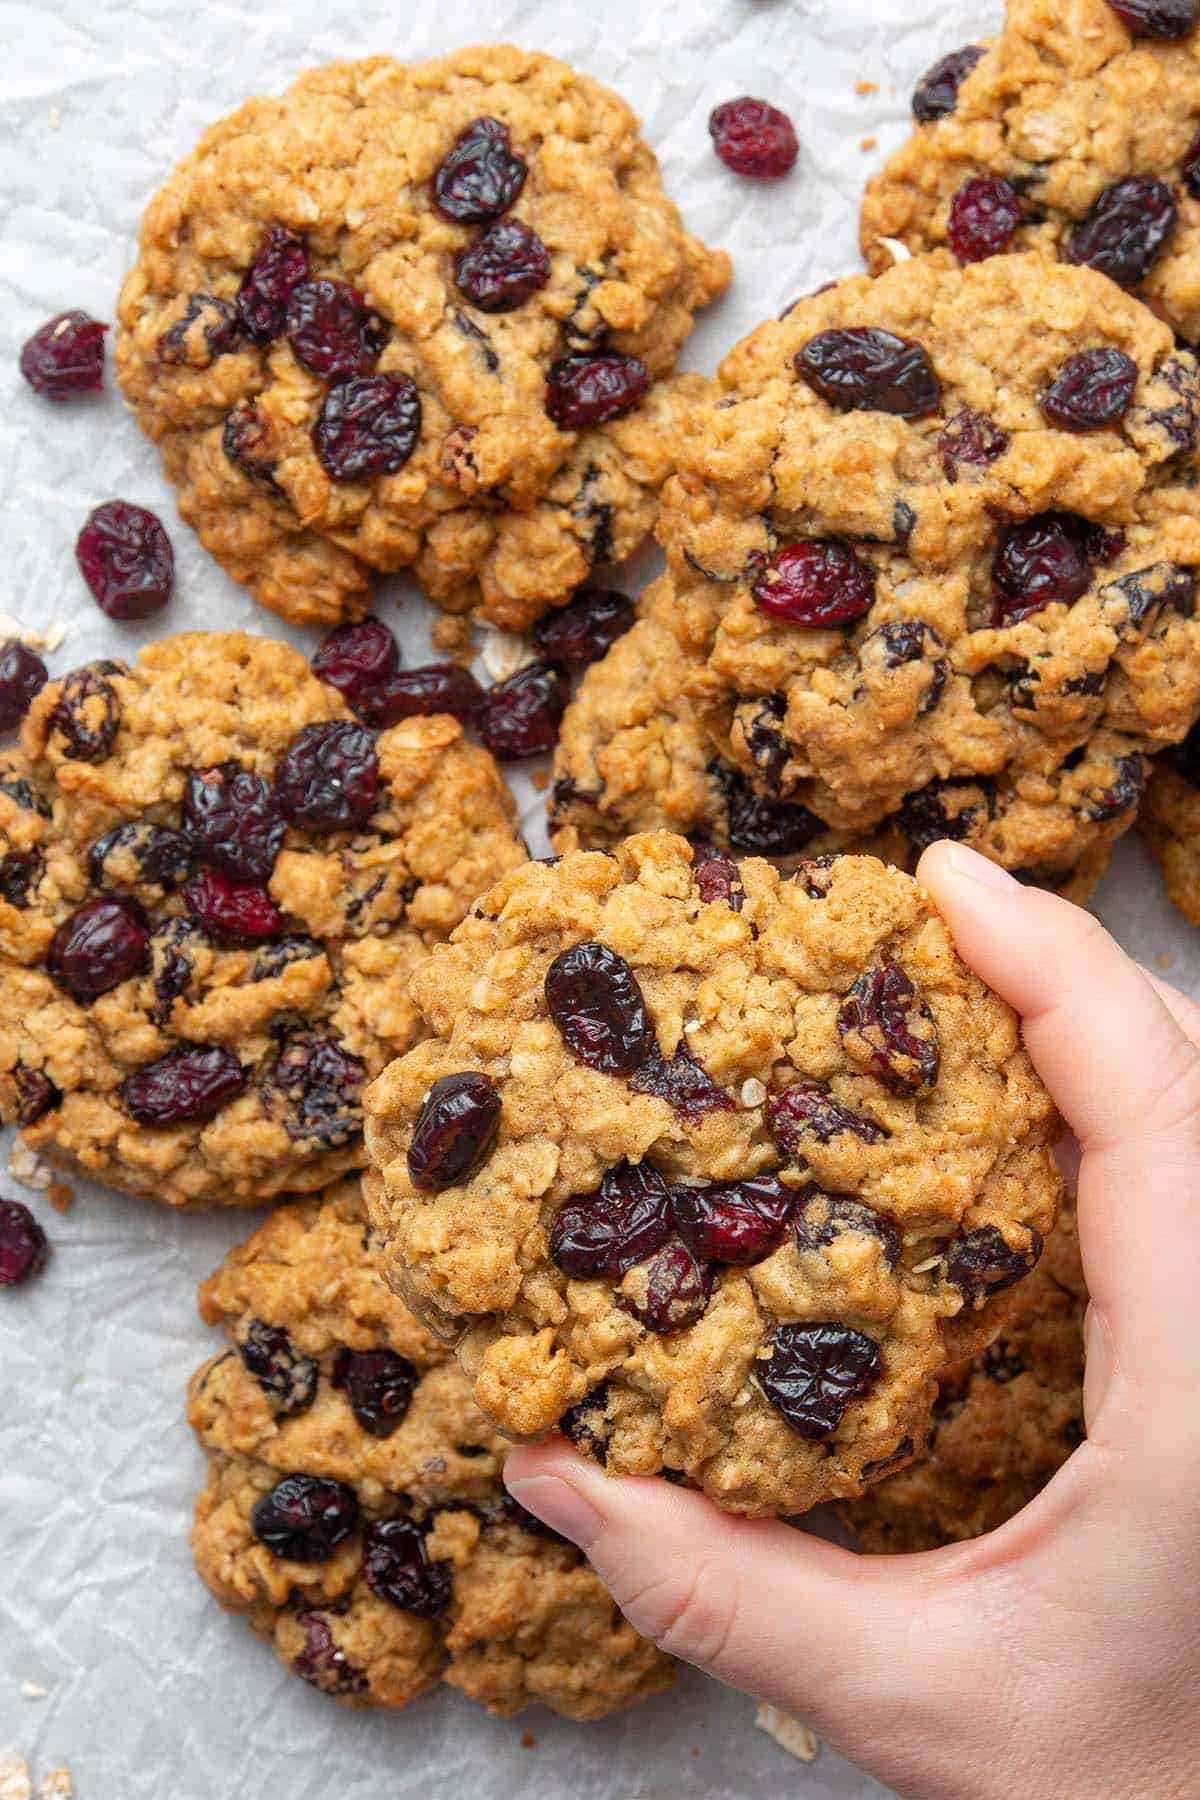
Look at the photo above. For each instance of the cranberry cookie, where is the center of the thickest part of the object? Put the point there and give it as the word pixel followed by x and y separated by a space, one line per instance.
pixel 1003 1424
pixel 1073 133
pixel 214 885
pixel 1170 823
pixel 417 317
pixel 935 552
pixel 354 1511
pixel 712 1169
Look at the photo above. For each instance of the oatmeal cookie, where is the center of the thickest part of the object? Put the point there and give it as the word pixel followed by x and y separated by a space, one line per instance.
pixel 417 318
pixel 214 886
pixel 354 1510
pixel 713 1169
pixel 1170 823
pixel 1003 1424
pixel 1067 134
pixel 912 587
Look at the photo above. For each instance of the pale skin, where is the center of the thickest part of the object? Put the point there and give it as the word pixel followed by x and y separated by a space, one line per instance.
pixel 1059 1658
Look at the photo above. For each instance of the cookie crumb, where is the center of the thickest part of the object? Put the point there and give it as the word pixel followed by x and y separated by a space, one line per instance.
pixel 60 1196
pixel 14 1777
pixel 866 87
pixel 28 1172
pixel 32 1691
pixel 540 779
pixel 792 1735
pixel 868 143
pixel 452 635
pixel 1164 960
pixel 528 1741
pixel 54 117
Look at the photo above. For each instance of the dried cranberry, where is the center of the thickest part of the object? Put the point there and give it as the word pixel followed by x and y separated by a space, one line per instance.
pixel 1122 795
pixel 305 1518
pixel 172 963
pixel 271 962
pixel 65 356
pixel 357 660
pixel 231 912
pixel 279 267
pixel 821 1218
pixel 322 1662
pixel 815 1371
pixel 945 809
pixel 984 1262
pixel 23 1246
pixel 398 1568
pixel 752 138
pixel 367 425
pixel 806 1109
pixel 1185 757
pixel 23 795
pixel 316 1087
pixel 597 1005
pixel 1169 19
pixel 761 827
pixel 972 438
pixel 936 94
pixel 586 1424
pixel 332 330
pixel 421 693
pixel 88 714
pixel 1040 562
pixel 1125 230
pixel 36 1094
pixel 503 267
pixel 718 881
pixel 887 1028
pixel 521 716
pixel 1091 391
pixel 736 1222
pixel 126 559
pixel 668 1293
pixel 455 1128
pixel 1143 593
pixel 864 369
pixel 688 1089
pixel 585 628
pixel 481 176
pixel 761 723
pixel 621 1224
pixel 138 853
pixel 379 1385
pixel 285 1375
pixel 22 676
pixel 903 641
pixel 184 1086
pixel 219 330
pixel 20 873
pixel 328 778
pixel 590 388
pixel 246 441
pixel 820 581
pixel 233 821
pixel 98 947
pixel 984 214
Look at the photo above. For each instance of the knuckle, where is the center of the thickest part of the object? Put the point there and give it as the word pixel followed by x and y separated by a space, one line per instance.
pixel 688 1612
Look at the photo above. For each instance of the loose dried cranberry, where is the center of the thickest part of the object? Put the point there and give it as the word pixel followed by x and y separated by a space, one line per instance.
pixel 219 330
pixel 805 1109
pixel 231 912
pixel 246 441
pixel 621 1224
pixel 820 581
pixel 972 438
pixel 688 1089
pixel 328 778
pixel 521 716
pixel 1191 168
pixel 285 1375
pixel 945 809
pixel 421 693
pixel 586 1424
pixel 735 1222
pixel 279 267
pixel 936 94
pixel 88 714
pixel 1040 562
pixel 888 1029
pixel 1091 391
pixel 718 881
pixel 984 214
pixel 322 1662
pixel 316 1087
pixel 332 330
pixel 23 1246
pixel 398 1568
pixel 305 1518
pixel 821 1218
pixel 983 1262
pixel 752 138
pixel 668 1293
pixel 1125 230
pixel 22 676
pixel 126 559
pixel 761 827
pixel 815 1371
pixel 597 1005
pixel 367 425
pixel 379 1385
pixel 357 660
pixel 36 1094
pixel 592 387
pixel 65 356
pixel 233 820
pixel 503 267
pixel 864 369
pixel 481 176
pixel 184 1086
pixel 585 628
pixel 1157 18
pixel 454 1131
pixel 98 947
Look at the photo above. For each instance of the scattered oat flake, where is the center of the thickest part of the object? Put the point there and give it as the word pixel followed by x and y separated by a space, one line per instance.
pixel 32 1691
pixel 896 250
pixel 790 1734
pixel 14 1777
pixel 56 631
pixel 504 653
pixel 26 1170
pixel 753 1091
pixel 56 1785
pixel 923 1268
pixel 55 117
pixel 866 87
pixel 867 143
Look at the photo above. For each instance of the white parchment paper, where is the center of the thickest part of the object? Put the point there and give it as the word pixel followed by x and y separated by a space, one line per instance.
pixel 149 1689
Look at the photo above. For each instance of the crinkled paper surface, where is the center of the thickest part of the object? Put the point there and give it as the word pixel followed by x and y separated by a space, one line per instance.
pixel 151 1690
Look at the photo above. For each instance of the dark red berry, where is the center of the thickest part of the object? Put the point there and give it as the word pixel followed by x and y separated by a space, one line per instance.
pixel 271 962
pixel 585 628
pixel 945 809
pixel 1091 391
pixel 819 581
pixel 983 1262
pixel 233 821
pixel 591 387
pixel 1122 794
pixel 607 1232
pixel 718 881
pixel 247 442
pixel 752 138
pixel 285 1375
pixel 936 94
pixel 1191 168
pixel 586 1424
pixel 669 1292
pixel 315 1087
pixel 173 947
pixel 139 854
pixel 379 1385
pixel 481 176
pixel 231 912
pixel 322 1662
pixel 20 873
pixel 520 717
pixel 23 1246
pixel 821 1218
pixel 864 369
pixel 36 1094
pixel 807 1110
pixel 367 425
pixel 596 1003
pixel 398 1568
pixel 126 559
pixel 815 1371
pixel 503 267
pixel 357 660
pixel 328 778
pixel 88 714
pixel 22 675
pixel 735 1222
pixel 1171 19
pixel 687 1088
pixel 903 641
pixel 971 438
pixel 99 946
pixel 888 1029
pixel 1040 562
pixel 332 330
pixel 420 693
pixel 305 1518
pixel 278 269
pixel 65 356
pixel 454 1131
pixel 761 827
pixel 984 214
pixel 184 1086
pixel 1125 230
pixel 209 328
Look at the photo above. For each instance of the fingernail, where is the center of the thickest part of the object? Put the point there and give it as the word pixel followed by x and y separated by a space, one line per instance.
pixel 560 1507
pixel 974 867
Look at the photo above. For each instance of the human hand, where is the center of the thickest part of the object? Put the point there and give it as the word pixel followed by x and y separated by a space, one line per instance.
pixel 1058 1658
